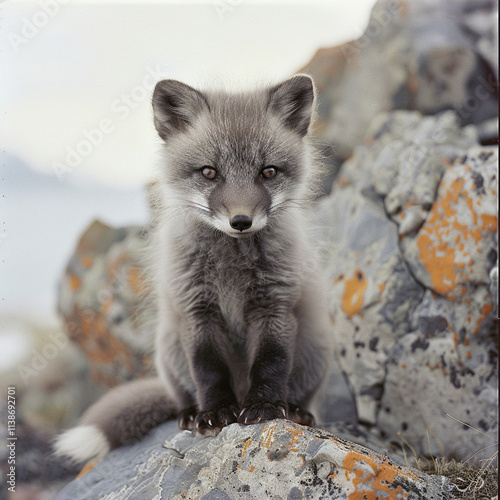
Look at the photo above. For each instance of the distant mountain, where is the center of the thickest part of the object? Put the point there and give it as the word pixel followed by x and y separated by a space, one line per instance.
pixel 41 219
pixel 15 173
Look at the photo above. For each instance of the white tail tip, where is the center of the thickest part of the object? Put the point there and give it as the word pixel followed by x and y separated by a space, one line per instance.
pixel 82 444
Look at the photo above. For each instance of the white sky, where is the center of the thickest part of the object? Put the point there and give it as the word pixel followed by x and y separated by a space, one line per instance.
pixel 80 65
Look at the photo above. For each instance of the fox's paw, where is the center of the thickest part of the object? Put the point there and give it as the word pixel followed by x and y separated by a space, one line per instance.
pixel 185 418
pixel 300 416
pixel 210 423
pixel 262 412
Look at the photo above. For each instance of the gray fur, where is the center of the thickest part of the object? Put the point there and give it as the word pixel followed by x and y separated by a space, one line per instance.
pixel 244 308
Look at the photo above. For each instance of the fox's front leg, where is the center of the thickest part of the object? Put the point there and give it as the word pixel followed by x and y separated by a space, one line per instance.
pixel 216 402
pixel 273 338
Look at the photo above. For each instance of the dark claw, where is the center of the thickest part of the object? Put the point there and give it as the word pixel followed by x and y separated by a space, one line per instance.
pixel 204 424
pixel 186 417
pixel 300 416
pixel 210 423
pixel 262 412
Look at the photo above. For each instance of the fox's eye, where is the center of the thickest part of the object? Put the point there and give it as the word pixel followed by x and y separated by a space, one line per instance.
pixel 269 172
pixel 209 172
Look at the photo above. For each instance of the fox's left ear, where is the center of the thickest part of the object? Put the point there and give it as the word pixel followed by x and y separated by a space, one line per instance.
pixel 293 100
pixel 176 107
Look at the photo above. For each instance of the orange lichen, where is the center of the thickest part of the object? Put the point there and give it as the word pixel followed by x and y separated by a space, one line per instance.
pixel 107 355
pixel 442 256
pixel 333 476
pixel 268 436
pixel 74 282
pixel 86 261
pixel 88 467
pixel 486 309
pixel 404 10
pixel 434 367
pixel 381 289
pixel 371 478
pixel 106 347
pixel 247 444
pixel 106 305
pixel 490 222
pixel 352 301
pixel 295 437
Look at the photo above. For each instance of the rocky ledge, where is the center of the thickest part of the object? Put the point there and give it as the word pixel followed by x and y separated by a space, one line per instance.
pixel 278 459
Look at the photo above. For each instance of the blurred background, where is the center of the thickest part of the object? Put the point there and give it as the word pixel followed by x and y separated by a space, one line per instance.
pixel 77 136
pixel 78 144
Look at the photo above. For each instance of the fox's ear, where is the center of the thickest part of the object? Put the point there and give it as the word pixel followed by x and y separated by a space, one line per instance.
pixel 293 100
pixel 175 107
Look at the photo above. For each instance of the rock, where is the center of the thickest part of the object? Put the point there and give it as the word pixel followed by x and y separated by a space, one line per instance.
pixel 103 300
pixel 418 55
pixel 278 459
pixel 454 250
pixel 409 246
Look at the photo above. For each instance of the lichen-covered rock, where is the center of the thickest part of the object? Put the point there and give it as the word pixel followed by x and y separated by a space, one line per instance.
pixel 279 460
pixel 454 251
pixel 410 244
pixel 103 301
pixel 450 355
pixel 414 55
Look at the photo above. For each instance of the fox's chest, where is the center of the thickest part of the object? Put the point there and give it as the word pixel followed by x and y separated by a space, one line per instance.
pixel 232 287
pixel 229 277
pixel 232 278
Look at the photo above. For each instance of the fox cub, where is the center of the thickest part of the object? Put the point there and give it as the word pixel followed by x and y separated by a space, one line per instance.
pixel 243 331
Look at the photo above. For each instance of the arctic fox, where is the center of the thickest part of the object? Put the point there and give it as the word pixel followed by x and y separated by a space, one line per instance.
pixel 243 330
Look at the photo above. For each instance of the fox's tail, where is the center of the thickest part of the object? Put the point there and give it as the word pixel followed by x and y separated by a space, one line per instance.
pixel 121 416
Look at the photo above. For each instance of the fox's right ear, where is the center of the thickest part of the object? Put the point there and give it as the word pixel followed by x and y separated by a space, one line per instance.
pixel 175 107
pixel 294 101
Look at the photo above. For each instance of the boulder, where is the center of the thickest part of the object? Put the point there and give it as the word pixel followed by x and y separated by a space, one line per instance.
pixel 103 301
pixel 278 459
pixel 418 55
pixel 408 241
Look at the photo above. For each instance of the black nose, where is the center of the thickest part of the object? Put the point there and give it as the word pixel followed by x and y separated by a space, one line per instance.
pixel 241 222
